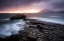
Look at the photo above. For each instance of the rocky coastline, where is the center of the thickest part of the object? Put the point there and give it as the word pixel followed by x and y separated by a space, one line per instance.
pixel 38 31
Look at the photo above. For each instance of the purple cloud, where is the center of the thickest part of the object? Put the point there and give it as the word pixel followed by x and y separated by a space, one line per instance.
pixel 55 5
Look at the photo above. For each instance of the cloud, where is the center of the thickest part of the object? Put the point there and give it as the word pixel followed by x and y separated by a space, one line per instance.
pixel 8 27
pixel 55 5
pixel 15 3
pixel 59 5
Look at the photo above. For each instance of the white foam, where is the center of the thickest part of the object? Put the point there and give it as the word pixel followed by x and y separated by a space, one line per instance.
pixel 8 29
pixel 55 16
pixel 59 21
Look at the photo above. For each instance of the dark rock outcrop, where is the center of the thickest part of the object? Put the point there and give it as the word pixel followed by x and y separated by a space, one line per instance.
pixel 18 16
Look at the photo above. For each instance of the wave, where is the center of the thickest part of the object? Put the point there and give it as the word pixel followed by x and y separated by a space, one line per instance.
pixel 8 27
pixel 59 21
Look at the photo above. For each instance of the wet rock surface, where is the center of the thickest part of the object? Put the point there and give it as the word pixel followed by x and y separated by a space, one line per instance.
pixel 18 16
pixel 38 31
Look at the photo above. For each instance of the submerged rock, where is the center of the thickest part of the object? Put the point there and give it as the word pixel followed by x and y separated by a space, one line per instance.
pixel 18 16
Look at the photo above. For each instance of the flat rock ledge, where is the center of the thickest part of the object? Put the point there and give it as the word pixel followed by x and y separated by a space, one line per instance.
pixel 38 31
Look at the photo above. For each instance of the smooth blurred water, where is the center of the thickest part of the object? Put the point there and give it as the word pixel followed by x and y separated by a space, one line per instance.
pixel 49 17
pixel 8 27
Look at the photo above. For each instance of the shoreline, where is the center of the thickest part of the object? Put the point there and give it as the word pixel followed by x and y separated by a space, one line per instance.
pixel 38 31
pixel 35 30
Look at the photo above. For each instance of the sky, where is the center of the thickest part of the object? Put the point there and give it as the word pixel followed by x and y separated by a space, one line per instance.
pixel 10 6
pixel 30 5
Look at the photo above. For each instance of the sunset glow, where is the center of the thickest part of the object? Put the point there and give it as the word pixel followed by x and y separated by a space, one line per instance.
pixel 25 11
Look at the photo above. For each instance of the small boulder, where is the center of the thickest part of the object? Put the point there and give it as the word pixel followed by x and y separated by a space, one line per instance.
pixel 18 16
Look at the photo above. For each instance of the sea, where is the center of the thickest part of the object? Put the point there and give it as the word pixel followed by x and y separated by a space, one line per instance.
pixel 8 27
pixel 49 17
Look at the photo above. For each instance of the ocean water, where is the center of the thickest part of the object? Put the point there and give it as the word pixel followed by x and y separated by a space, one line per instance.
pixel 8 27
pixel 49 17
